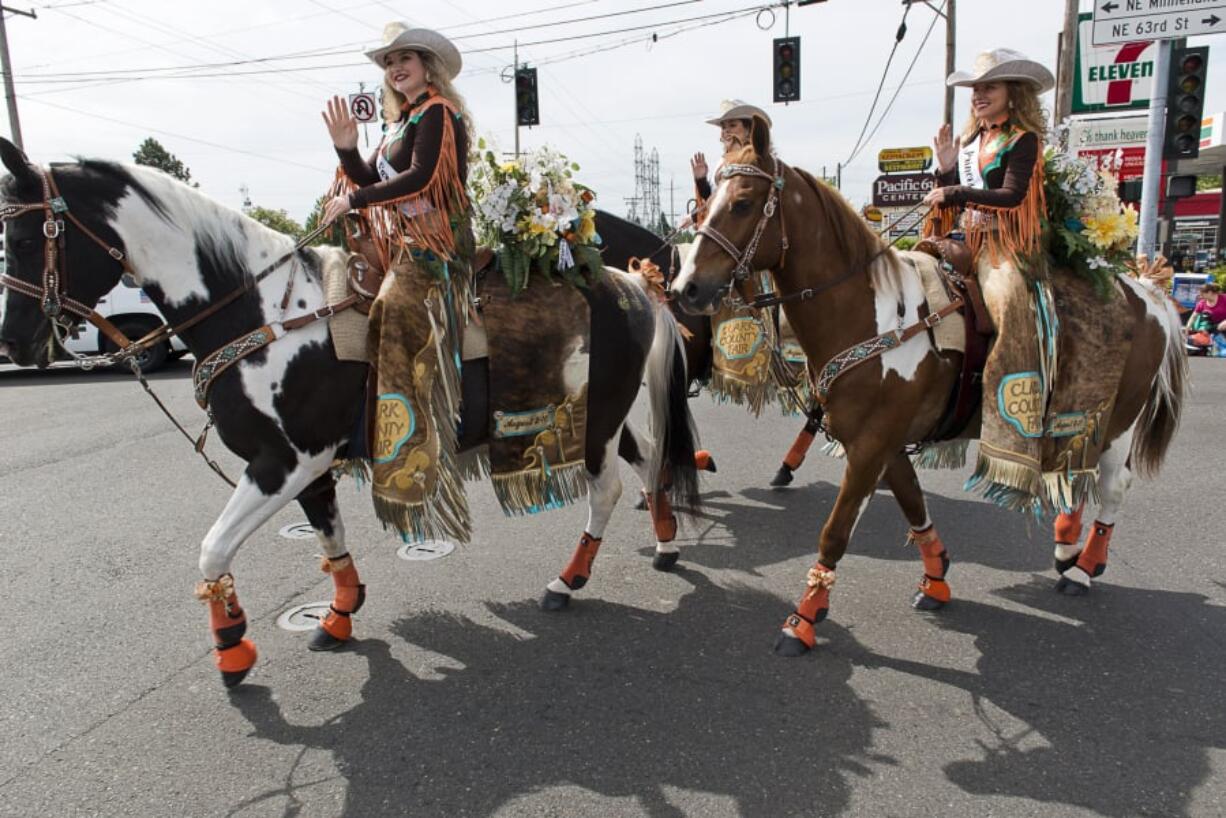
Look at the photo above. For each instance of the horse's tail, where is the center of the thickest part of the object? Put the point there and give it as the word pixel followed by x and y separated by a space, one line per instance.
pixel 672 427
pixel 1159 417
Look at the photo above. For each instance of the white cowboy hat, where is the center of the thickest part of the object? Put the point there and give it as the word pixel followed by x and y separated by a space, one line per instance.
pixel 398 36
pixel 1001 65
pixel 738 109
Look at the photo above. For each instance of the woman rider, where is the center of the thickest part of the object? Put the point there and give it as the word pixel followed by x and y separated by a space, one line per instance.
pixel 411 193
pixel 993 174
pixel 737 123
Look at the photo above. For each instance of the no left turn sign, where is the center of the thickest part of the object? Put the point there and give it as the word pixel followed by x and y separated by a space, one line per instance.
pixel 363 107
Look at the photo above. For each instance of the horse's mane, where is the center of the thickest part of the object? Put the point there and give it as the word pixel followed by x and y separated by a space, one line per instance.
pixel 855 241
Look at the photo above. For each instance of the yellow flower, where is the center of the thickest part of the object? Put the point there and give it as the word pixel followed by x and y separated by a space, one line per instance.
pixel 509 167
pixel 1104 229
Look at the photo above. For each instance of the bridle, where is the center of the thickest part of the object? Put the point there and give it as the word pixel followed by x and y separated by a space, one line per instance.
pixel 743 258
pixel 60 309
pixel 52 295
pixel 63 311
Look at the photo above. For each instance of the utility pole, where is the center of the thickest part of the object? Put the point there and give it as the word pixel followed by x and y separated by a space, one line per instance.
pixel 1066 66
pixel 1148 228
pixel 10 95
pixel 515 111
pixel 951 53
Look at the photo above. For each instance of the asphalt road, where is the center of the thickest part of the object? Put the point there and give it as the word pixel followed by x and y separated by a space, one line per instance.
pixel 655 694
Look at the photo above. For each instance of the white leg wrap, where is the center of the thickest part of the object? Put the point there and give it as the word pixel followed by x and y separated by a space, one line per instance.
pixel 667 548
pixel 559 587
pixel 1075 574
pixel 1067 552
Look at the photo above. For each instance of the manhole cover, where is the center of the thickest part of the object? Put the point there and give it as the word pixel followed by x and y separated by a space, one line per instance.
pixel 303 617
pixel 297 531
pixel 425 550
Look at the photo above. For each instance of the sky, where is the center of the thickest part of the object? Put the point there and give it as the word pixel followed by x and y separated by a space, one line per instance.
pixel 94 78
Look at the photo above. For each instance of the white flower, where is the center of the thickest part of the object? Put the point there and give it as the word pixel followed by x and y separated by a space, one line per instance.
pixel 1096 262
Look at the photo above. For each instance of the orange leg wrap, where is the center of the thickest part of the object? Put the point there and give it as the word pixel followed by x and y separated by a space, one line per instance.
pixel 1067 528
pixel 579 569
pixel 936 564
pixel 662 518
pixel 813 606
pixel 800 448
pixel 1093 559
pixel 347 597
pixel 228 624
pixel 702 460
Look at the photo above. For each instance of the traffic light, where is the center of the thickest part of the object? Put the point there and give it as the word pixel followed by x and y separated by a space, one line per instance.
pixel 787 69
pixel 1185 103
pixel 527 105
pixel 1181 187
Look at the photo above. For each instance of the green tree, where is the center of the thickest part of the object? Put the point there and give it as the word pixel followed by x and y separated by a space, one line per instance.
pixel 152 153
pixel 278 220
pixel 334 235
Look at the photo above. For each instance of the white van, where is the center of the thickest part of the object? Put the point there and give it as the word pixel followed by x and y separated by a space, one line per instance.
pixel 129 309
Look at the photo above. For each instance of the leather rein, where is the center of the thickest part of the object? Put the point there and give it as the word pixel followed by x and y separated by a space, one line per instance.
pixel 61 309
pixel 850 357
pixel 57 305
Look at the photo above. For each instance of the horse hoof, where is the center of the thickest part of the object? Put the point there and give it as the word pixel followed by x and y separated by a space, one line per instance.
pixel 321 640
pixel 641 505
pixel 1069 587
pixel 782 478
pixel 923 602
pixel 232 678
pixel 665 560
pixel 790 646
pixel 705 462
pixel 554 601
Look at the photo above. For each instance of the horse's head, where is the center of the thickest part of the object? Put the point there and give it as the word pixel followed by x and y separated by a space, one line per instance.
pixel 51 263
pixel 740 233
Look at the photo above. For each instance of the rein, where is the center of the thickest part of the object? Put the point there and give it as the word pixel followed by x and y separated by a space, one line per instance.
pixel 56 304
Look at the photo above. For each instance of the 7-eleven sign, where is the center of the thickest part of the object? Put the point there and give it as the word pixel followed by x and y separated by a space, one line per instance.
pixel 1111 77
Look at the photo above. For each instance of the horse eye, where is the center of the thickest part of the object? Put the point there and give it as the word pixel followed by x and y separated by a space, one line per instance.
pixel 740 208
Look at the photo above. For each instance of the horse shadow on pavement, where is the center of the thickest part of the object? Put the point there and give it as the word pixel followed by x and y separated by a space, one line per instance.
pixel 1116 711
pixel 761 526
pixel 623 702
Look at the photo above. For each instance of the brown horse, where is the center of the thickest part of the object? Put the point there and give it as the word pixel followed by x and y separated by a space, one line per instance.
pixel 844 287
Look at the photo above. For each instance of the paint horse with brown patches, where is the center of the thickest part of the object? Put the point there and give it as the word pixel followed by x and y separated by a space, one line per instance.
pixel 290 408
pixel 845 288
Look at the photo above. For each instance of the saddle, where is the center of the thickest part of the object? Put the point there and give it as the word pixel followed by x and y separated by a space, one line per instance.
pixel 957 265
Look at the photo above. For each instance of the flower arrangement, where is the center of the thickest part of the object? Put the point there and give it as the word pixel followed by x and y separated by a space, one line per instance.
pixel 535 216
pixel 1087 229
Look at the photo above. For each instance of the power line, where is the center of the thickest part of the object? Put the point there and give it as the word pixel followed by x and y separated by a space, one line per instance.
pixel 31 77
pixel 897 90
pixel 902 32
pixel 164 132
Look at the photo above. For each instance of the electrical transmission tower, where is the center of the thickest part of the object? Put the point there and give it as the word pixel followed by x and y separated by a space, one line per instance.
pixel 644 207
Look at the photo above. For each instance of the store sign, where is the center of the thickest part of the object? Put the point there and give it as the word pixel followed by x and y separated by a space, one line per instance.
pixel 902 160
pixel 903 190
pixel 1123 163
pixel 1109 132
pixel 1111 77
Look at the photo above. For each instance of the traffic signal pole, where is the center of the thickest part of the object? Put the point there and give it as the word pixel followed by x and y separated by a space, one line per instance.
pixel 10 94
pixel 515 112
pixel 1147 238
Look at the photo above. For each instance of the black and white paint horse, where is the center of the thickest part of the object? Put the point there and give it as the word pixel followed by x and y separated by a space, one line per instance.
pixel 288 410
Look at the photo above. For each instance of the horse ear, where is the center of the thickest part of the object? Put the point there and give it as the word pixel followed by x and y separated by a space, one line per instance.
pixel 17 163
